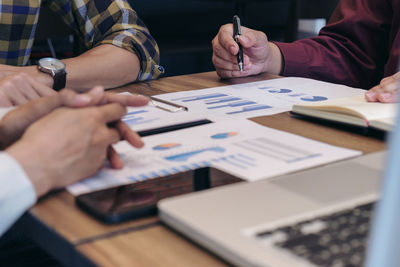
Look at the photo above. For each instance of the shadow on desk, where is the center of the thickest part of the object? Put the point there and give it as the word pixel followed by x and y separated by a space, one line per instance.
pixel 368 132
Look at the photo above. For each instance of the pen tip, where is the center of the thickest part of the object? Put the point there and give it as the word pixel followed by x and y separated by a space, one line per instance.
pixel 241 66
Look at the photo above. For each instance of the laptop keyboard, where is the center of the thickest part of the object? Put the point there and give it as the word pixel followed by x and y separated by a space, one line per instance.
pixel 338 239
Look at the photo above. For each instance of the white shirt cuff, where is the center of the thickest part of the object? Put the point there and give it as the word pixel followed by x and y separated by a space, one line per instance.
pixel 17 193
pixel 4 111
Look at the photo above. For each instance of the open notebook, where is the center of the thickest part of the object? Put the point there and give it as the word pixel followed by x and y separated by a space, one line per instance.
pixel 352 110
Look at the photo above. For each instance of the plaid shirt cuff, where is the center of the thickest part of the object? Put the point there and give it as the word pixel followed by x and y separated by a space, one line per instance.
pixel 143 45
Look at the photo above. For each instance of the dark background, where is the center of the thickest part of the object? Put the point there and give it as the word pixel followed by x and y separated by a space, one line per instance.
pixel 184 29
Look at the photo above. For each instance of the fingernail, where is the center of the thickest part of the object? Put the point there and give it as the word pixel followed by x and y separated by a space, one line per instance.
pixel 232 49
pixel 140 143
pixel 97 90
pixel 370 93
pixel 142 96
pixel 386 95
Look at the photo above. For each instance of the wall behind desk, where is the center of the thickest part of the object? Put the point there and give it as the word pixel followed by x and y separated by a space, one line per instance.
pixel 184 28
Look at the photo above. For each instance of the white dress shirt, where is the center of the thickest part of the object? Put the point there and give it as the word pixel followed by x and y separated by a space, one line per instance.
pixel 17 193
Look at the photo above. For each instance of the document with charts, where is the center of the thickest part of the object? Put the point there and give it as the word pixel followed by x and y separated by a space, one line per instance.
pixel 240 147
pixel 258 98
pixel 151 117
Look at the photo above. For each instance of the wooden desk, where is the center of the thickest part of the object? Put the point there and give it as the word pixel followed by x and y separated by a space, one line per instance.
pixel 76 239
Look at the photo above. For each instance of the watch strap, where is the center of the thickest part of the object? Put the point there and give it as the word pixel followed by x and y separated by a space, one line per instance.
pixel 59 78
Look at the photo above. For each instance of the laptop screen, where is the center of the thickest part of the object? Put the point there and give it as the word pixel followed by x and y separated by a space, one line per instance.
pixel 384 242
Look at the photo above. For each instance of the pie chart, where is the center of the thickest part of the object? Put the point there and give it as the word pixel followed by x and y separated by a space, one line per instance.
pixel 166 146
pixel 314 98
pixel 280 91
pixel 224 135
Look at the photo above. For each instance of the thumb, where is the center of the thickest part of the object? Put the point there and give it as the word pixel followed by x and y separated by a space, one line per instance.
pixel 70 98
pixel 251 38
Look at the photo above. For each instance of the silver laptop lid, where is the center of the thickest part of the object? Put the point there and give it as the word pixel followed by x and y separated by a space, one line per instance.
pixel 384 241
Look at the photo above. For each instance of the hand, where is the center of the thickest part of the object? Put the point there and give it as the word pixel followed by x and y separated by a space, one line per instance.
pixel 67 145
pixel 258 54
pixel 19 88
pixel 386 91
pixel 14 123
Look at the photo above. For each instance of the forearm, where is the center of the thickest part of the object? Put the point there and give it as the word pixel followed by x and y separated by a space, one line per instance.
pixel 105 65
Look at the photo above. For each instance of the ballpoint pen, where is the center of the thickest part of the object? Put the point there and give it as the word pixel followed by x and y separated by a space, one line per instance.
pixel 178 107
pixel 237 31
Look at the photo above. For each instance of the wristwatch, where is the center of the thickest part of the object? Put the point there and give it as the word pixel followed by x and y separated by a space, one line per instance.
pixel 56 68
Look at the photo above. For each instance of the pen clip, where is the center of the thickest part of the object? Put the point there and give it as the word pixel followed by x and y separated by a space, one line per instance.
pixel 237 28
pixel 173 107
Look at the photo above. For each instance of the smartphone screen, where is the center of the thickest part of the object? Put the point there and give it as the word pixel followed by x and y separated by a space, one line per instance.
pixel 140 199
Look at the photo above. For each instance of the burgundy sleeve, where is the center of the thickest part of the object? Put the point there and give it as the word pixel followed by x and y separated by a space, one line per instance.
pixel 352 49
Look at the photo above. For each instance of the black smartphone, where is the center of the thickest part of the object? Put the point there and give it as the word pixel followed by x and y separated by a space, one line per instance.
pixel 140 199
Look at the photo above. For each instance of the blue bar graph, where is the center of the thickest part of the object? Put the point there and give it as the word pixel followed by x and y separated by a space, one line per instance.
pixel 199 97
pixel 195 166
pixel 185 167
pixel 136 112
pixel 132 178
pixel 242 160
pixel 165 172
pixel 248 109
pixel 185 156
pixel 236 104
pixel 132 120
pixel 266 87
pixel 143 176
pixel 223 100
pixel 154 174
pixel 238 161
pixel 137 121
pixel 230 162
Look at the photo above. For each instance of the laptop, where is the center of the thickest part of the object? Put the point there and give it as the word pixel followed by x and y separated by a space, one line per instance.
pixel 317 217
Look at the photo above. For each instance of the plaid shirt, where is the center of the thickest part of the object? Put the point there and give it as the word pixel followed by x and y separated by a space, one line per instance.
pixel 95 21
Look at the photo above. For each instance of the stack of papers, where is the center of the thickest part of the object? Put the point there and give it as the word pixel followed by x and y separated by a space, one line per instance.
pixel 232 144
pixel 239 147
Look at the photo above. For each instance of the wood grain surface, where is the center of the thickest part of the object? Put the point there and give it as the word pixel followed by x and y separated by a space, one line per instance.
pixel 146 242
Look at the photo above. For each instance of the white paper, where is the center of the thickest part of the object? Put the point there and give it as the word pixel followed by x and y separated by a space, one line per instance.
pixel 150 117
pixel 240 147
pixel 258 98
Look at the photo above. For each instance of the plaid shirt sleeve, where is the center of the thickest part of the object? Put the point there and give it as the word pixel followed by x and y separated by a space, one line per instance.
pixel 112 22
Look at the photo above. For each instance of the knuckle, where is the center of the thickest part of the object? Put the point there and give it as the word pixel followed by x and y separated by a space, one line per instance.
pixel 8 86
pixel 19 77
pixel 214 59
pixel 213 41
pixel 94 114
pixel 225 27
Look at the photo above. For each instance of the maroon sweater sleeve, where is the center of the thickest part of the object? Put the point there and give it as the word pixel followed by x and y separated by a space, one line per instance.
pixel 351 49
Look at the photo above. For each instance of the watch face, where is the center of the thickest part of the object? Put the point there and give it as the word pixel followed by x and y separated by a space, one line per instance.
pixel 51 64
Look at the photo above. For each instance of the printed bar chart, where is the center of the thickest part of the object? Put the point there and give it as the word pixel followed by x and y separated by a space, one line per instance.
pixel 235 104
pixel 276 150
pixel 249 109
pixel 199 97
